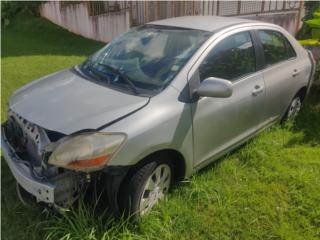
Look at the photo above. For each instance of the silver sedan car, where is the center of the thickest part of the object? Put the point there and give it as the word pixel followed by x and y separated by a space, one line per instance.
pixel 152 107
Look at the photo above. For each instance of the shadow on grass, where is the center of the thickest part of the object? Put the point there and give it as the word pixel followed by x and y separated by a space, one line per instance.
pixel 29 36
pixel 308 121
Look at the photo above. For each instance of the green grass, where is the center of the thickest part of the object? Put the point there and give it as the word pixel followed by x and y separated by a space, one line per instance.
pixel 267 189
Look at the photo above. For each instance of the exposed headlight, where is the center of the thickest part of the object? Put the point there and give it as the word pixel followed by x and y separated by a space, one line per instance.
pixel 86 151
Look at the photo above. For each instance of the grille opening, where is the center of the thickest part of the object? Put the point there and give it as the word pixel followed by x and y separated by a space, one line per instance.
pixel 14 135
pixel 54 136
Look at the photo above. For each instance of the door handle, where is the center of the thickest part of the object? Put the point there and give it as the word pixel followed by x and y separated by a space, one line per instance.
pixel 295 72
pixel 257 90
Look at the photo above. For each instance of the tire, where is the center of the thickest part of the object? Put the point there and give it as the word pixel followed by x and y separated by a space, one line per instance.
pixel 144 188
pixel 294 108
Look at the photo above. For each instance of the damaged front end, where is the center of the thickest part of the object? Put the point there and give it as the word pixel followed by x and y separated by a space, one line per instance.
pixel 24 149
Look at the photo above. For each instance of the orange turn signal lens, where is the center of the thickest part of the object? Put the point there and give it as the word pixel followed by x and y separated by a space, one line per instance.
pixel 94 162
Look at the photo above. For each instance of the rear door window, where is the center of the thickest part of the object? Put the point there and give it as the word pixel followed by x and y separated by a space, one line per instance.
pixel 290 50
pixel 276 47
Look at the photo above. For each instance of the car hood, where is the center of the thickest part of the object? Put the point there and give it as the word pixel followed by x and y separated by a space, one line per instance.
pixel 66 102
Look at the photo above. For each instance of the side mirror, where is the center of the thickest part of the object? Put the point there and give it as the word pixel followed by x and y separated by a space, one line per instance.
pixel 215 87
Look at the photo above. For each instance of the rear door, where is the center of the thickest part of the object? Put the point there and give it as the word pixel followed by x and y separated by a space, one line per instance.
pixel 219 123
pixel 282 72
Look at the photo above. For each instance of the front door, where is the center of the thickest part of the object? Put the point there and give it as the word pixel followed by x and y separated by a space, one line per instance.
pixel 219 123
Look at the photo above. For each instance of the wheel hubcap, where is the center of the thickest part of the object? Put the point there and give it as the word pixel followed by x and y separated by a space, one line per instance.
pixel 156 188
pixel 294 108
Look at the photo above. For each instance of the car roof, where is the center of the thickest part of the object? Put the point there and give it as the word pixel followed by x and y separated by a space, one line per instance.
pixel 205 23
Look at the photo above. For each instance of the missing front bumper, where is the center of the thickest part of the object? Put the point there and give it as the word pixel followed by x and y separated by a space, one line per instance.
pixel 43 191
pixel 60 191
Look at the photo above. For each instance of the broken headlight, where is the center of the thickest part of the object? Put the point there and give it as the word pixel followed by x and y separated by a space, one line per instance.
pixel 86 151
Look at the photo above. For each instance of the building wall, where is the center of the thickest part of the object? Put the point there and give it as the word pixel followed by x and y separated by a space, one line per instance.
pixel 284 13
pixel 288 20
pixel 76 18
pixel 95 19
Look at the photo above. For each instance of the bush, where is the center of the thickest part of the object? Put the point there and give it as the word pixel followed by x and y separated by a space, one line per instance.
pixel 10 8
pixel 313 41
pixel 310 8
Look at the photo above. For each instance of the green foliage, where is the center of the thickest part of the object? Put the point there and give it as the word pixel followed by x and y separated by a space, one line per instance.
pixel 313 43
pixel 316 14
pixel 314 24
pixel 315 33
pixel 267 189
pixel 311 7
pixel 309 42
pixel 9 9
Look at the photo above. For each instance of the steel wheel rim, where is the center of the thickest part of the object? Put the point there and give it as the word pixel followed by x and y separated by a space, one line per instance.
pixel 294 108
pixel 156 187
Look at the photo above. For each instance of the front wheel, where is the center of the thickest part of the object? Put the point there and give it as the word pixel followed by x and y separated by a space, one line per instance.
pixel 145 188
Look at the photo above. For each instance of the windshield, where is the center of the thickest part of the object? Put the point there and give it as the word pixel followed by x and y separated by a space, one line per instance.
pixel 146 59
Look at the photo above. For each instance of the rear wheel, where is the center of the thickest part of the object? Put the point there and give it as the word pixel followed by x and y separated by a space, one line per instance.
pixel 144 188
pixel 294 108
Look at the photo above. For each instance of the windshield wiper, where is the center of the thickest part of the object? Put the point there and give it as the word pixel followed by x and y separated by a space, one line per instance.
pixel 123 76
pixel 99 74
